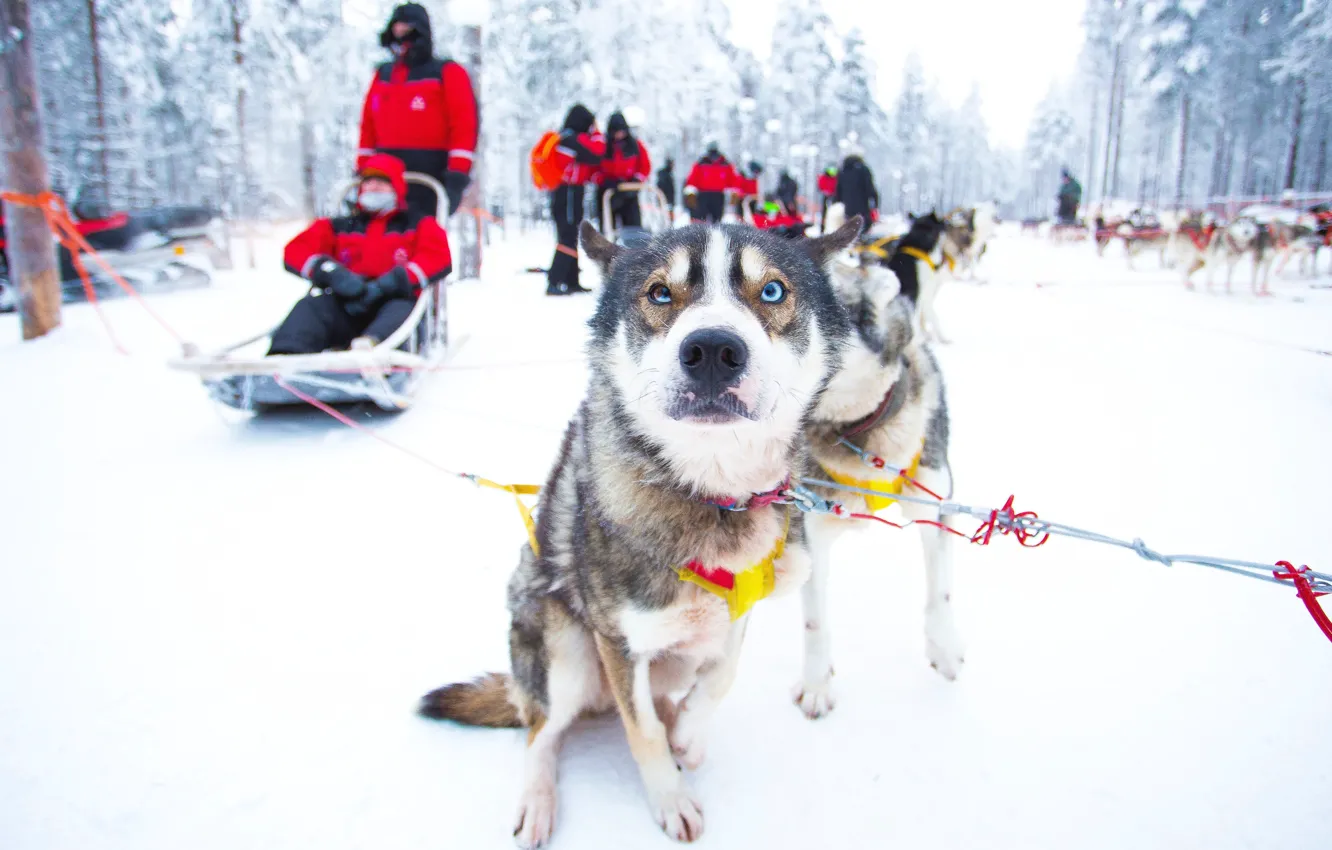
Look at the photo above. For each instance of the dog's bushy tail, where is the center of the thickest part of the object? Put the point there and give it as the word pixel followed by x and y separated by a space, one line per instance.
pixel 484 702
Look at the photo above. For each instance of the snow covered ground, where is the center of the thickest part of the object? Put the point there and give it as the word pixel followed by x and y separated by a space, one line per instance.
pixel 214 630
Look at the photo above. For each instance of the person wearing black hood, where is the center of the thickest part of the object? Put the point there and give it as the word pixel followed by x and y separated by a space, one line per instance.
pixel 421 110
pixel 855 189
pixel 787 193
pixel 666 183
pixel 626 161
pixel 585 147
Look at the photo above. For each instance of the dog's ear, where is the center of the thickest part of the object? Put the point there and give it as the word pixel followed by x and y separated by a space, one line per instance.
pixel 825 248
pixel 602 251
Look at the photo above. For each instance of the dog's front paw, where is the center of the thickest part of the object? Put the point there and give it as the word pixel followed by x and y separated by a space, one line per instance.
pixel 689 742
pixel 678 812
pixel 815 698
pixel 943 645
pixel 536 817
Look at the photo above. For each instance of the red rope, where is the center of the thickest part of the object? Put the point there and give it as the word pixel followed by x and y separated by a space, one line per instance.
pixel 351 423
pixel 67 233
pixel 1306 593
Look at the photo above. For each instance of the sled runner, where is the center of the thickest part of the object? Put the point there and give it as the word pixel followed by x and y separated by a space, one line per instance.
pixel 387 374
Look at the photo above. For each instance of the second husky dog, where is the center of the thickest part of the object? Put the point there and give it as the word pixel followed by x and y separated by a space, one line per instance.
pixel 662 520
pixel 886 402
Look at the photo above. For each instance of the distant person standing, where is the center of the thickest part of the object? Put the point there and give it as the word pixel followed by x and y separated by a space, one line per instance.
pixel 855 189
pixel 580 140
pixel 827 186
pixel 1069 197
pixel 747 188
pixel 626 161
pixel 666 183
pixel 788 193
pixel 421 110
pixel 706 185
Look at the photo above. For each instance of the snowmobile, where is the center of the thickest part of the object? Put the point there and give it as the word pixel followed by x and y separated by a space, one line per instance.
pixel 159 247
pixel 387 374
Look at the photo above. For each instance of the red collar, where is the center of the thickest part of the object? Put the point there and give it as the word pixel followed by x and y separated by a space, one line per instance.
pixel 779 496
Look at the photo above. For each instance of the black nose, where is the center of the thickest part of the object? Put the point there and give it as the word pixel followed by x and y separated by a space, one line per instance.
pixel 714 357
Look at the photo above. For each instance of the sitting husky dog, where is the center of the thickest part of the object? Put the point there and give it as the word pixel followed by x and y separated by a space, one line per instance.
pixel 658 526
pixel 887 400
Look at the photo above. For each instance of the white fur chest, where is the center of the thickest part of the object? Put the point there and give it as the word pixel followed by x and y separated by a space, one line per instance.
pixel 698 623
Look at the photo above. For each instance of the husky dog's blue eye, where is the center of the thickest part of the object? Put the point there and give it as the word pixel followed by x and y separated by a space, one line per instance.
pixel 773 292
pixel 659 294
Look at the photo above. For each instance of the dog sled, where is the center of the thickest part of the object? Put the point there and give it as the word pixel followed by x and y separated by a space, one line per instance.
pixel 655 214
pixel 153 249
pixel 386 374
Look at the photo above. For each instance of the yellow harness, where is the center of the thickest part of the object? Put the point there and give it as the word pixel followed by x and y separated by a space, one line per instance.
pixel 921 255
pixel 740 590
pixel 743 589
pixel 880 485
pixel 879 247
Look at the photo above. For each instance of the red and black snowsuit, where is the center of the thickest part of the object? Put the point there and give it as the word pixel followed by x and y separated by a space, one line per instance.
pixel 827 188
pixel 402 247
pixel 710 177
pixel 626 161
pixel 423 111
pixel 580 140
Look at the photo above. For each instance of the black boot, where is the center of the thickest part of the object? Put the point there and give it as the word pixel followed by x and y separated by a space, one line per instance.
pixel 560 288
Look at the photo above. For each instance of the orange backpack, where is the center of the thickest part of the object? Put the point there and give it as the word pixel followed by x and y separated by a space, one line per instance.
pixel 548 163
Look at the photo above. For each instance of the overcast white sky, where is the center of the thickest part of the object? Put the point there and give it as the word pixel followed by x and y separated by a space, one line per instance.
pixel 1013 49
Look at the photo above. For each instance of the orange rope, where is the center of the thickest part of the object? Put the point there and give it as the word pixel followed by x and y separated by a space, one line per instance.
pixel 64 229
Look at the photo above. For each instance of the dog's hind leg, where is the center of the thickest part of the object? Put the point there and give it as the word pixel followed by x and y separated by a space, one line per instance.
pixel 943 645
pixel 688 735
pixel 673 804
pixel 573 685
pixel 814 693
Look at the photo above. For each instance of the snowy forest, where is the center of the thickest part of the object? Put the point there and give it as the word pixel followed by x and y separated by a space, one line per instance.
pixel 253 105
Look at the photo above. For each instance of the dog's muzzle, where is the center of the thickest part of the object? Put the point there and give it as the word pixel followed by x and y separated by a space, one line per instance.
pixel 713 361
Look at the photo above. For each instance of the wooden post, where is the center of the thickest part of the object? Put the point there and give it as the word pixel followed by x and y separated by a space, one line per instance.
pixel 29 246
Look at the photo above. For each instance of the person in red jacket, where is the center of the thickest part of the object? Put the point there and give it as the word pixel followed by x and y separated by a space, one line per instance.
pixel 367 268
pixel 626 161
pixel 422 110
pixel 584 145
pixel 707 183
pixel 747 186
pixel 827 188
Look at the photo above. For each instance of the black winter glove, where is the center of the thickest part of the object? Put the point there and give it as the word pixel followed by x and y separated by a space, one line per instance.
pixel 334 276
pixel 455 183
pixel 391 284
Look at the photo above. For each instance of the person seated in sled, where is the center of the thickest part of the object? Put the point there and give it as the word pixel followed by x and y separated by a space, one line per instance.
pixel 367 268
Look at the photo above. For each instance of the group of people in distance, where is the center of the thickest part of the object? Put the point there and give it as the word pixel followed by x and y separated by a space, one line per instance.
pixel 367 268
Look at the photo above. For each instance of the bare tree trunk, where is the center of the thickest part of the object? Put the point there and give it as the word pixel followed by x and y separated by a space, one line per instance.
pixel 244 212
pixel 308 161
pixel 469 260
pixel 1111 101
pixel 1119 136
pixel 1297 125
pixel 99 90
pixel 1181 173
pixel 1091 144
pixel 1218 160
pixel 1320 164
pixel 29 248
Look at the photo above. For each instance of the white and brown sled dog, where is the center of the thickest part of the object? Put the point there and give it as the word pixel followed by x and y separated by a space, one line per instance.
pixel 660 522
pixel 886 401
